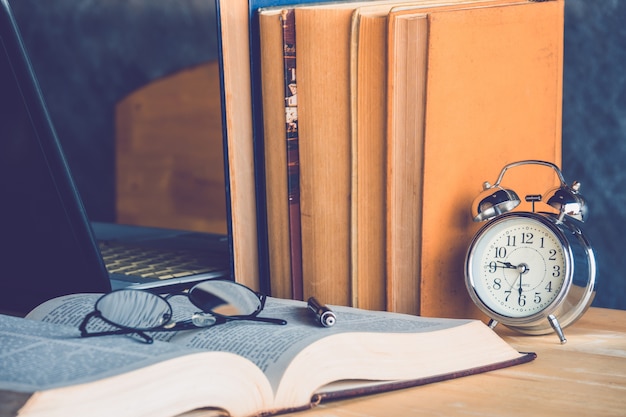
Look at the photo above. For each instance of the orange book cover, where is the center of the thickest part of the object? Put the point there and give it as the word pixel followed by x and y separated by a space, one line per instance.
pixel 494 96
pixel 407 59
pixel 384 248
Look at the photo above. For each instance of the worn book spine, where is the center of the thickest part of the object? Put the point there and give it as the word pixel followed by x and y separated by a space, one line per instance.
pixel 368 86
pixel 242 121
pixel 407 39
pixel 325 153
pixel 276 188
pixel 293 155
pixel 280 125
pixel 237 125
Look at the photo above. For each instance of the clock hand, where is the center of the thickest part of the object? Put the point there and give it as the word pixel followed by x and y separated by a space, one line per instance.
pixel 522 268
pixel 508 265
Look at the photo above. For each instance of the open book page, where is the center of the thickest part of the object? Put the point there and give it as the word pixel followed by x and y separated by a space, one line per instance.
pixel 32 352
pixel 50 361
pixel 296 359
pixel 272 348
pixel 54 345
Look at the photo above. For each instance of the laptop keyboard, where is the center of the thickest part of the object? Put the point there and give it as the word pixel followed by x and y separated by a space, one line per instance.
pixel 155 263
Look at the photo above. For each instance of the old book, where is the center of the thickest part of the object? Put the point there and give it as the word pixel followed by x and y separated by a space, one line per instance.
pixel 369 208
pixel 279 67
pixel 341 119
pixel 233 24
pixel 244 368
pixel 238 36
pixel 280 134
pixel 293 154
pixel 339 242
pixel 387 137
pixel 274 151
pixel 368 94
pixel 406 107
pixel 494 89
pixel 324 34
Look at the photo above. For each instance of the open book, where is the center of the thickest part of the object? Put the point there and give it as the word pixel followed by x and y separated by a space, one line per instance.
pixel 244 368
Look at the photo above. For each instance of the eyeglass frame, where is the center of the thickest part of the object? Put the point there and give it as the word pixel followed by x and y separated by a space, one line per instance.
pixel 187 324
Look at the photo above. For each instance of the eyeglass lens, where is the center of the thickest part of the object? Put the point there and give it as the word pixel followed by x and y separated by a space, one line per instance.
pixel 225 298
pixel 134 309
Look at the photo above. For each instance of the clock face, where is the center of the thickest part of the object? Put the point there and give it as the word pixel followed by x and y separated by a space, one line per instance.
pixel 518 266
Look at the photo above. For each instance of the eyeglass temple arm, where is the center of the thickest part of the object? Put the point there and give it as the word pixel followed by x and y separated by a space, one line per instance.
pixel 262 298
pixel 263 319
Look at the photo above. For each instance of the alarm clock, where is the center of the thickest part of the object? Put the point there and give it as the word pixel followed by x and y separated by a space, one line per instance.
pixel 534 272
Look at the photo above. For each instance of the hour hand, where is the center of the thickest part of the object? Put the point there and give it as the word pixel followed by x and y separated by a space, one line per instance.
pixel 507 265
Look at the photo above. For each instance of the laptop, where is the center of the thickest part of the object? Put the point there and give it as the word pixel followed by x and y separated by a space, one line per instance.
pixel 48 246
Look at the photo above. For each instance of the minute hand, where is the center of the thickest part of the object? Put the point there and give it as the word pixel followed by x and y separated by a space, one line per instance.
pixel 522 268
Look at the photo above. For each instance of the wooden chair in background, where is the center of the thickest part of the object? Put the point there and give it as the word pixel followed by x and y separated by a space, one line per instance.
pixel 169 153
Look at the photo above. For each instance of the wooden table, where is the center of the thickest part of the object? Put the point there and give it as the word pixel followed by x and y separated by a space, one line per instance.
pixel 584 377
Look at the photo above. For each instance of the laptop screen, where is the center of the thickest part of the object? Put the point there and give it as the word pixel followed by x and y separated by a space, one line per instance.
pixel 46 249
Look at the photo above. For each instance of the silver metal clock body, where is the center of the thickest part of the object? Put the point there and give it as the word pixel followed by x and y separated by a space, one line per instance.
pixel 533 272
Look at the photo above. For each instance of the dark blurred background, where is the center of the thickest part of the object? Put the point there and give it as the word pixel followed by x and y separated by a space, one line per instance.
pixel 594 132
pixel 89 54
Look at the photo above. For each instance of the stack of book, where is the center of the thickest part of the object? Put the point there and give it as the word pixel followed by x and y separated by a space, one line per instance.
pixel 380 121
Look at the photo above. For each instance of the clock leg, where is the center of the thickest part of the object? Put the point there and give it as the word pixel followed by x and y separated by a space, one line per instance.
pixel 557 328
pixel 492 323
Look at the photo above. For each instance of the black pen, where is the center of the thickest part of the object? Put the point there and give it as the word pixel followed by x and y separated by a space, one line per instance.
pixel 324 315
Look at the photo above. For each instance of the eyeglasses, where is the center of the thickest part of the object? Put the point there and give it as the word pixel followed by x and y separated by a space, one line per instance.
pixel 139 311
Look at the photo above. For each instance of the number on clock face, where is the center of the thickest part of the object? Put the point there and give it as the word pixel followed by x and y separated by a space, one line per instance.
pixel 519 267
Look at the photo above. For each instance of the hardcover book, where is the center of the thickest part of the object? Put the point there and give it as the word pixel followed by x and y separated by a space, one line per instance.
pixel 281 151
pixel 242 124
pixel 500 102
